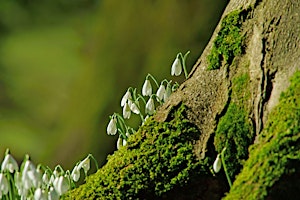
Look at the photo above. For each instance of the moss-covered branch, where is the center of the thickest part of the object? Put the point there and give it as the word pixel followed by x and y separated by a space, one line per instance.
pixel 157 159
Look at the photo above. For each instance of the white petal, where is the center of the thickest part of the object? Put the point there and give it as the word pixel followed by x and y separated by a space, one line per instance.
pixel 134 108
pixel 126 96
pixel 126 111
pixel 147 88
pixel 161 92
pixel 112 127
pixel 124 142
pixel 75 173
pixel 10 164
pixel 52 194
pixel 150 107
pixel 176 68
pixel 119 143
pixel 217 164
pixel 3 184
pixel 85 165
pixel 167 93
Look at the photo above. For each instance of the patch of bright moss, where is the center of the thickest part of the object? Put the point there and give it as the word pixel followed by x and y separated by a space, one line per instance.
pixel 228 42
pixel 235 133
pixel 158 158
pixel 275 158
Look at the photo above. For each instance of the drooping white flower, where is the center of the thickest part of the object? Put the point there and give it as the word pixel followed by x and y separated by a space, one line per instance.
pixel 134 108
pixel 52 194
pixel 112 126
pixel 150 107
pixel 126 111
pixel 147 88
pixel 217 164
pixel 9 164
pixel 4 186
pixel 61 185
pixel 168 92
pixel 75 175
pixel 176 68
pixel 161 92
pixel 126 97
pixel 40 194
pixel 45 178
pixel 119 143
pixel 29 178
pixel 85 164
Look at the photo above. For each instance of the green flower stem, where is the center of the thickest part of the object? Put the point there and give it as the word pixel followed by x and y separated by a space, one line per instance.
pixel 225 168
pixel 120 123
pixel 183 58
pixel 95 161
pixel 154 80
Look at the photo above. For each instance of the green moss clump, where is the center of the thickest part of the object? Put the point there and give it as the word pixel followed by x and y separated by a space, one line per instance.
pixel 235 133
pixel 272 170
pixel 228 42
pixel 157 159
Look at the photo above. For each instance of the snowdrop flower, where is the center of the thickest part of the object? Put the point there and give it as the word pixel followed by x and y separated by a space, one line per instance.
pixel 52 194
pixel 3 185
pixel 176 68
pixel 127 96
pixel 9 164
pixel 161 92
pixel 75 175
pixel 150 107
pixel 126 111
pixel 61 185
pixel 119 143
pixel 40 194
pixel 45 178
pixel 29 178
pixel 85 164
pixel 112 126
pixel 134 108
pixel 168 92
pixel 147 88
pixel 217 164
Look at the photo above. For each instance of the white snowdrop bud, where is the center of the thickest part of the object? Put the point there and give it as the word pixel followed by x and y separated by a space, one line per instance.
pixel 9 164
pixel 150 107
pixel 217 164
pixel 75 175
pixel 119 143
pixel 147 88
pixel 161 92
pixel 85 164
pixel 168 92
pixel 126 111
pixel 4 186
pixel 112 126
pixel 126 97
pixel 176 68
pixel 134 108
pixel 61 185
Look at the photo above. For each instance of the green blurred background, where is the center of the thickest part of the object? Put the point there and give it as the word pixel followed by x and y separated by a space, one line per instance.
pixel 64 66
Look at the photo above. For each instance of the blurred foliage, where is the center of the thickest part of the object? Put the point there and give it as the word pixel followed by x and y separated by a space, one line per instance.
pixel 64 66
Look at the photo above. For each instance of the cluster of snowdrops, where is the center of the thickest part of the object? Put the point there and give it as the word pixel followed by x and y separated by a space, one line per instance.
pixel 29 181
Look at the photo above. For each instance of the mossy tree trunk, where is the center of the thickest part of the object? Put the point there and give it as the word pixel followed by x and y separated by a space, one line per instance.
pixel 239 95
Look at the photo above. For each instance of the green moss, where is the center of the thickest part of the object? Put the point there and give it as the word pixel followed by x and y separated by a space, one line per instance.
pixel 234 130
pixel 272 170
pixel 157 159
pixel 228 42
pixel 235 133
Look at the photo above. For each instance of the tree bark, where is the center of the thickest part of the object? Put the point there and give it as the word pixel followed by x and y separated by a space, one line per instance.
pixel 236 105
